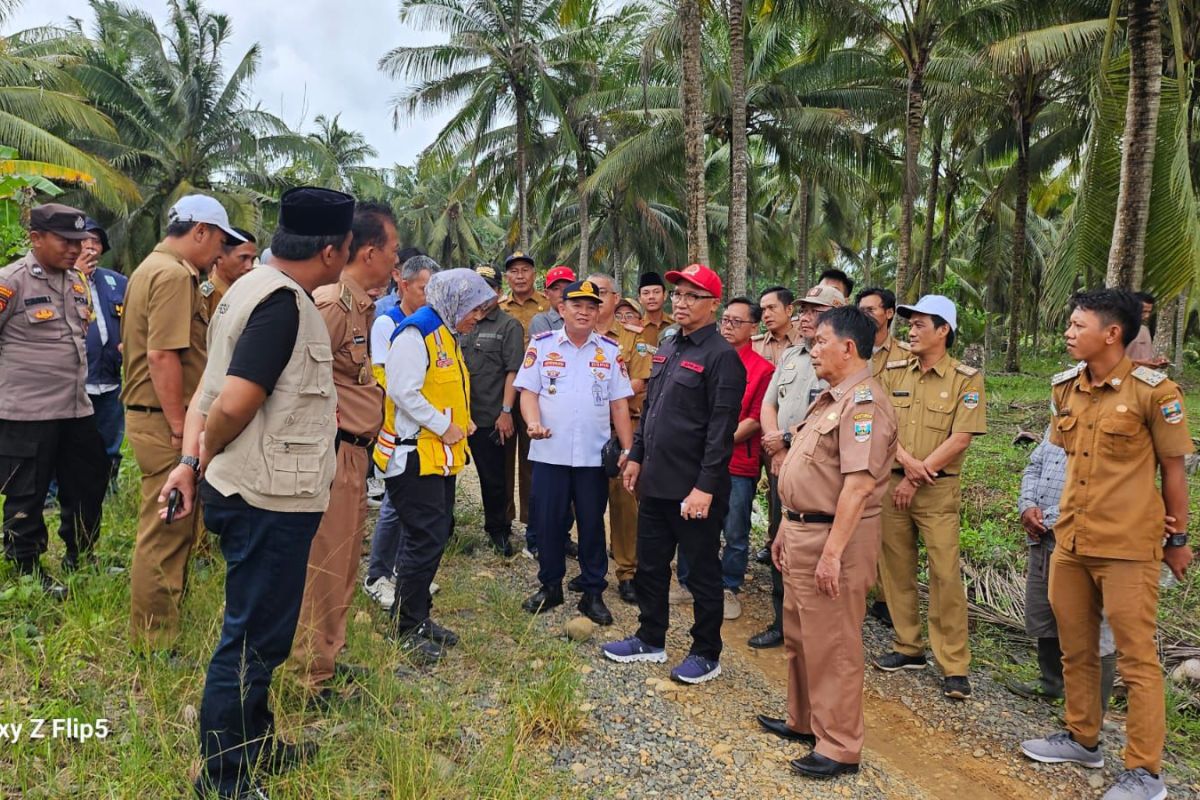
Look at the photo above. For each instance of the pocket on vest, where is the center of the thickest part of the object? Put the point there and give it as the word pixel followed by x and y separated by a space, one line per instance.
pixel 296 465
pixel 317 377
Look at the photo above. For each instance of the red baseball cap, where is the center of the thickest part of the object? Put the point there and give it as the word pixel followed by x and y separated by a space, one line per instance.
pixel 700 275
pixel 559 273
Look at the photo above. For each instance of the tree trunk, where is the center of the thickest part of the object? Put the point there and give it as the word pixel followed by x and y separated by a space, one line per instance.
pixel 522 173
pixel 913 126
pixel 1164 334
pixel 736 257
pixel 804 280
pixel 931 195
pixel 869 255
pixel 1181 317
pixel 585 222
pixel 947 226
pixel 1126 258
pixel 1016 286
pixel 696 197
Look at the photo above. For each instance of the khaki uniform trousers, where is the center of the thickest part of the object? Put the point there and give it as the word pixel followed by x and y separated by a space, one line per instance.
pixel 1081 587
pixel 822 637
pixel 516 460
pixel 158 574
pixel 622 518
pixel 332 570
pixel 934 516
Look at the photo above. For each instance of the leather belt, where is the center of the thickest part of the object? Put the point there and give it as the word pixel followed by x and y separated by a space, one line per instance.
pixel 144 409
pixel 357 441
pixel 798 516
pixel 940 474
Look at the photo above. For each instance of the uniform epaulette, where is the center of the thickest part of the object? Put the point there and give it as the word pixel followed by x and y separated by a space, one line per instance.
pixel 1067 374
pixel 903 362
pixel 963 369
pixel 758 337
pixel 1150 377
pixel 903 345
pixel 537 337
pixel 610 340
pixel 346 298
pixel 632 328
pixel 207 288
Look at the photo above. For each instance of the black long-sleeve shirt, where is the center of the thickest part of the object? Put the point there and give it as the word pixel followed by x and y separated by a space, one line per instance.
pixel 685 438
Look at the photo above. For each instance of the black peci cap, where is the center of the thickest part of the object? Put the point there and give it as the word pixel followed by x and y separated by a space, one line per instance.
pixel 67 222
pixel 312 211
pixel 650 279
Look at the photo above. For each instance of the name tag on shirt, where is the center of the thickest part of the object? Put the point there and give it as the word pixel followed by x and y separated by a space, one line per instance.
pixel 692 365
pixel 659 359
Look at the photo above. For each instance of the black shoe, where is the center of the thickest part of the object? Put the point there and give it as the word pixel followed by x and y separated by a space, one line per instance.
pixel 956 687
pixel 815 765
pixel 50 587
pixel 350 673
pixel 437 634
pixel 571 549
pixel 502 546
pixel 575 585
pixel 204 790
pixel 73 562
pixel 1030 691
pixel 591 605
pixel 420 650
pixel 547 597
pixel 627 593
pixel 763 556
pixel 279 757
pixel 879 611
pixel 780 728
pixel 771 637
pixel 894 662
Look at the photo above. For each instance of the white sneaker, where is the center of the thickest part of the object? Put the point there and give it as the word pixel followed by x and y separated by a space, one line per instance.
pixel 375 488
pixel 433 588
pixel 1137 784
pixel 1060 748
pixel 679 595
pixel 733 606
pixel 382 591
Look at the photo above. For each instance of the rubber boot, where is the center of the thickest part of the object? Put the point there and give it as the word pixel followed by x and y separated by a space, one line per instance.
pixel 1108 676
pixel 1049 656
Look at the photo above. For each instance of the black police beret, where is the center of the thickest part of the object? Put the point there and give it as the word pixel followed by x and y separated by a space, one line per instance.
pixel 650 279
pixel 312 211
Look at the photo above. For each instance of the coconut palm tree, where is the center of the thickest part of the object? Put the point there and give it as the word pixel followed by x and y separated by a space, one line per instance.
pixel 341 154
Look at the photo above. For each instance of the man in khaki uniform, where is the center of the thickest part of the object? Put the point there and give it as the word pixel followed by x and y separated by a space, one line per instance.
pixel 230 266
pixel 832 485
pixel 47 423
pixel 522 302
pixel 1120 425
pixel 348 312
pixel 622 505
pixel 652 292
pixel 777 307
pixel 164 332
pixel 940 407
pixel 880 304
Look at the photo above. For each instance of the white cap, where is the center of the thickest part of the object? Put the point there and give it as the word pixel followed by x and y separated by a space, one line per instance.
pixel 202 208
pixel 934 305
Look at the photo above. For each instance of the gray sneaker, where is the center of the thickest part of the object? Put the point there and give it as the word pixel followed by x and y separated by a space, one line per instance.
pixel 1137 784
pixel 1060 748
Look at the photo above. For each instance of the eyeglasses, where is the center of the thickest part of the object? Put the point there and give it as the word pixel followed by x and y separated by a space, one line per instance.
pixel 733 322
pixel 689 298
pixel 604 292
pixel 626 316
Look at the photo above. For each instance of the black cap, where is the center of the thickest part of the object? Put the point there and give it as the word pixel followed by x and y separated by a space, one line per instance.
pixel 312 211
pixel 91 226
pixel 650 279
pixel 581 290
pixel 518 256
pixel 67 222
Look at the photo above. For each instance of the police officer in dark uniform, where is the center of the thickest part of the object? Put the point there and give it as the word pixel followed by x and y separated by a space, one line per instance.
pixel 47 424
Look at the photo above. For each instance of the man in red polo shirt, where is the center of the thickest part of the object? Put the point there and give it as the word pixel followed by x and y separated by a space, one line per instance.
pixel 737 325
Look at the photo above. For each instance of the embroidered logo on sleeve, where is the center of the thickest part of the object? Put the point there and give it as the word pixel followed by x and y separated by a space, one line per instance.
pixel 530 357
pixel 1173 412
pixel 971 400
pixel 862 428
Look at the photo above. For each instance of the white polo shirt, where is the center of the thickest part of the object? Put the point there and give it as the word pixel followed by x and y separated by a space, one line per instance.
pixel 575 387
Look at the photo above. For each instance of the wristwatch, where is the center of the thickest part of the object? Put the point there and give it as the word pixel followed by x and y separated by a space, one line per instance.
pixel 505 409
pixel 191 461
pixel 787 439
pixel 1176 540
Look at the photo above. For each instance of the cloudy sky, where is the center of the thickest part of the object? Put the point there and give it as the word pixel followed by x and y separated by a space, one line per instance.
pixel 318 57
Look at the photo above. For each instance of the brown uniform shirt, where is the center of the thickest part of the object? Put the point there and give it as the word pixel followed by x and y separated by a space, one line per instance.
pixel 524 311
pixel 932 405
pixel 636 358
pixel 164 310
pixel 893 350
pixel 1115 434
pixel 772 347
pixel 348 312
pixel 213 290
pixel 850 428
pixel 44 316
pixel 652 331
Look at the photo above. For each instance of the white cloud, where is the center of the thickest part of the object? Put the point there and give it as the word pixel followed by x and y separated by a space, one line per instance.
pixel 318 57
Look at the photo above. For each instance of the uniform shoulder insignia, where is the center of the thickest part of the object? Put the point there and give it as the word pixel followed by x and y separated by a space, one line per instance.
pixel 758 337
pixel 903 345
pixel 1150 377
pixel 537 337
pixel 632 328
pixel 346 298
pixel 1066 375
pixel 963 369
pixel 610 340
pixel 207 288
pixel 902 362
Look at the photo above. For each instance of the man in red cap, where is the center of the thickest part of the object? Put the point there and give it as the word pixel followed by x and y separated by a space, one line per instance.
pixel 557 279
pixel 679 464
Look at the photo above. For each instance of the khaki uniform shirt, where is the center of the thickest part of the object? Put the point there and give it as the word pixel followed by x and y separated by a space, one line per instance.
pixel 772 347
pixel 164 310
pixel 348 312
pixel 636 355
pixel 892 350
pixel 1115 434
pixel 930 406
pixel 524 311
pixel 44 316
pixel 213 290
pixel 793 387
pixel 652 331
pixel 850 428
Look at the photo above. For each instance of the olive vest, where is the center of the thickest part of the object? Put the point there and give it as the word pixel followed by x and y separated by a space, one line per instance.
pixel 284 459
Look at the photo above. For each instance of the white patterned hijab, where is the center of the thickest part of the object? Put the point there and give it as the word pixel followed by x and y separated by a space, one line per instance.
pixel 455 293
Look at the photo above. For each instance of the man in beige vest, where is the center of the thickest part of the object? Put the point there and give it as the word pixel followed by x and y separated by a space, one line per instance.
pixel 260 430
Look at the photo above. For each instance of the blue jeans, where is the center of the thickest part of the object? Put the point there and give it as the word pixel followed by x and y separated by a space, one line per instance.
pixel 385 542
pixel 736 532
pixel 555 489
pixel 266 559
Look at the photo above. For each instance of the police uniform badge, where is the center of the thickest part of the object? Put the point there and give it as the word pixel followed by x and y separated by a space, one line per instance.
pixel 207 288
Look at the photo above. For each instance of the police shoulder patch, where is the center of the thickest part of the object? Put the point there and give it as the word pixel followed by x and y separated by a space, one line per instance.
pixel 1067 374
pixel 963 369
pixel 903 362
pixel 537 337
pixel 1150 377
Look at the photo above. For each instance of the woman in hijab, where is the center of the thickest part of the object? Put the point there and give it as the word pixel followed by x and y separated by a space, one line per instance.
pixel 427 380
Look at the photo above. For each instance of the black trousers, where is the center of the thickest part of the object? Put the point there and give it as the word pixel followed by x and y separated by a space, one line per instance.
pixel 425 505
pixel 489 463
pixel 32 453
pixel 660 532
pixel 266 560
pixel 774 518
pixel 555 489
